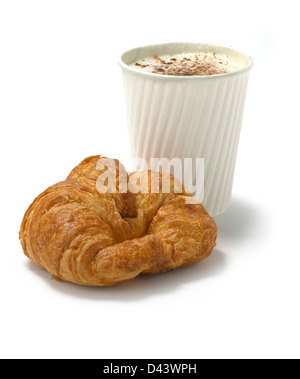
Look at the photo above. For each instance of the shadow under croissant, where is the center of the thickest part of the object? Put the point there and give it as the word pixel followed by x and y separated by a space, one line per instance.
pixel 142 286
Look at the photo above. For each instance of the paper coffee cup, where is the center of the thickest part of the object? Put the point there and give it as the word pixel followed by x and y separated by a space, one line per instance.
pixel 188 117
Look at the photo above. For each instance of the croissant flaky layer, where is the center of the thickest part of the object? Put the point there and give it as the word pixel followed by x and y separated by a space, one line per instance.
pixel 90 237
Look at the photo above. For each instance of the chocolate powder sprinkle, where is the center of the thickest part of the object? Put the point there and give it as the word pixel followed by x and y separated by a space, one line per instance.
pixel 197 64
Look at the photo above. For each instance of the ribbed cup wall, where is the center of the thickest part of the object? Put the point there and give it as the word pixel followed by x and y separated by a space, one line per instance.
pixel 201 118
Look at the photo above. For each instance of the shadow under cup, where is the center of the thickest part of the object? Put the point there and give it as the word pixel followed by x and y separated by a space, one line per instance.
pixel 188 117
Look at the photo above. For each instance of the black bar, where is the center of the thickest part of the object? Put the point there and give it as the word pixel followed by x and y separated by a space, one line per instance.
pixel 102 368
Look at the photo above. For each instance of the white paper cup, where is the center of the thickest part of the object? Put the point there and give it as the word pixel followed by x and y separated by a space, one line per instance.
pixel 188 116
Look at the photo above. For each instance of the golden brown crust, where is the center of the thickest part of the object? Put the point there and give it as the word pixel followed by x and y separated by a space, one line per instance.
pixel 99 239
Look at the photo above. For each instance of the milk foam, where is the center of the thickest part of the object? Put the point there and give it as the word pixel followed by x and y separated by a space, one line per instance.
pixel 187 64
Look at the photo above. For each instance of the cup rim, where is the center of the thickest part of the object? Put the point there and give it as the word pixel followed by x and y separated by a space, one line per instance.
pixel 211 46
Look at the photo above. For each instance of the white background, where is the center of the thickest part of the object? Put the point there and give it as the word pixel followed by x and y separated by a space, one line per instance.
pixel 61 100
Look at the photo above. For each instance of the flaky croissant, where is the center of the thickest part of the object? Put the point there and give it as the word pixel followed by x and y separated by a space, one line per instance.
pixel 81 235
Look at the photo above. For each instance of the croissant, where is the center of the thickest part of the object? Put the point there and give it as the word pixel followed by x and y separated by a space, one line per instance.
pixel 96 238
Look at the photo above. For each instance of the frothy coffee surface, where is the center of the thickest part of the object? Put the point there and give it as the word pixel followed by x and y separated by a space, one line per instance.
pixel 187 64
